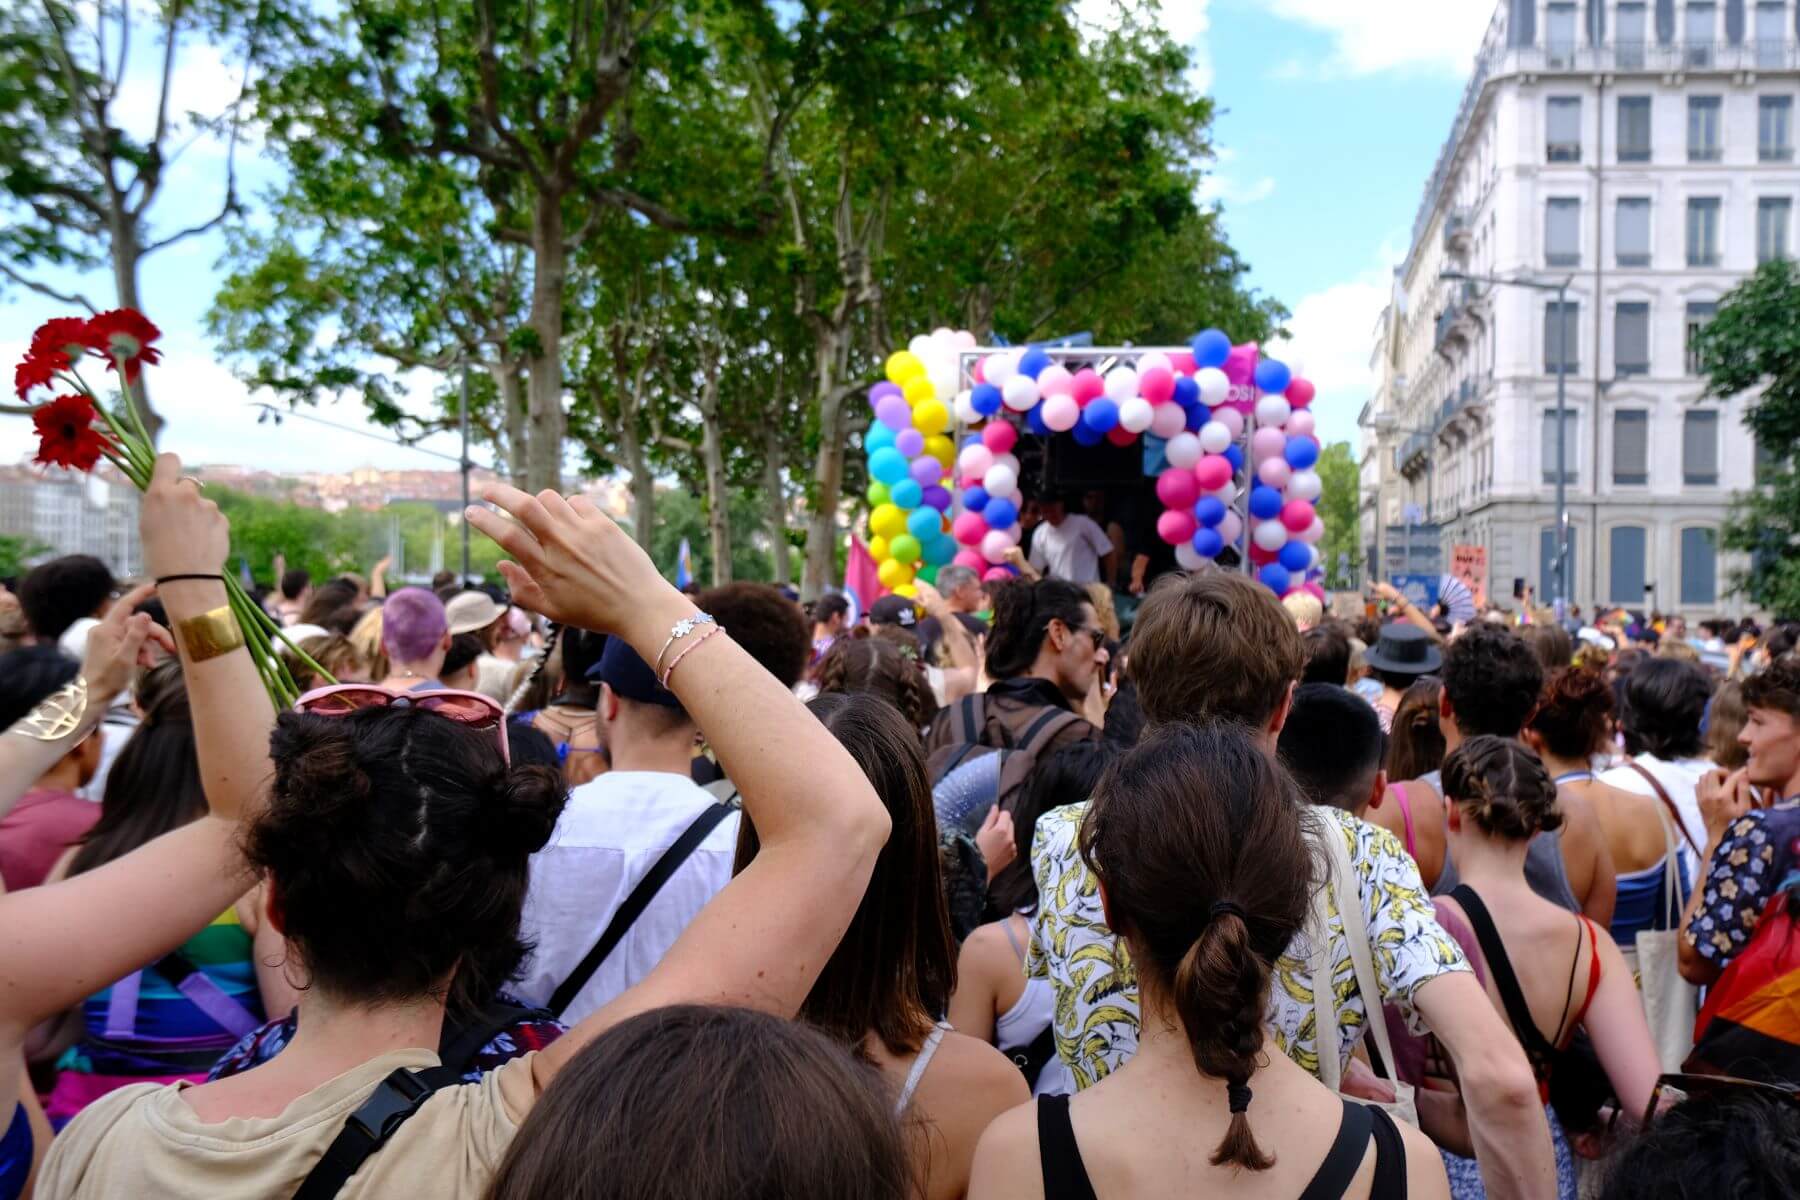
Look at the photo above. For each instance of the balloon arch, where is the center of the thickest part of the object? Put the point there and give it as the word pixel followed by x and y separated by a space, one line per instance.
pixel 1229 438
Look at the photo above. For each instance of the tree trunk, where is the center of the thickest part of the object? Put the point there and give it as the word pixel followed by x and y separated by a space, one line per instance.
pixel 125 255
pixel 512 419
pixel 828 468
pixel 643 483
pixel 776 495
pixel 546 421
pixel 718 499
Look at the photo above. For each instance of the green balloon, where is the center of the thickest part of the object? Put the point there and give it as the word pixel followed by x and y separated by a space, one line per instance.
pixel 928 574
pixel 878 493
pixel 904 549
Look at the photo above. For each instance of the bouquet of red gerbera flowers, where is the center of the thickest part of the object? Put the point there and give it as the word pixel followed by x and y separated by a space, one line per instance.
pixel 77 430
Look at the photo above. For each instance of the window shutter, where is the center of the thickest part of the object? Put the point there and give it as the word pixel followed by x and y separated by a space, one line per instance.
pixel 1631 447
pixel 1700 447
pixel 1626 579
pixel 1699 566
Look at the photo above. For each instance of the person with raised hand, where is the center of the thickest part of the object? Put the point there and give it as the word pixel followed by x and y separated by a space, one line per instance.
pixel 394 854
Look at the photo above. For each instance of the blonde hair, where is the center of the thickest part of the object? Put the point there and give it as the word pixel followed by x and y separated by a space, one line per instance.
pixel 366 637
pixel 1305 608
pixel 1102 599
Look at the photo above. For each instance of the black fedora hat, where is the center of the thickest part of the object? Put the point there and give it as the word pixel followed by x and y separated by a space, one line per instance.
pixel 1404 649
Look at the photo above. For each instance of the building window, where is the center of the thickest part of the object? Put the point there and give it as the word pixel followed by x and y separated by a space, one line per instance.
pixel 1699 315
pixel 1560 18
pixel 1634 129
pixel 1562 233
pixel 1570 451
pixel 1632 231
pixel 1631 447
pixel 1562 129
pixel 1626 546
pixel 1562 332
pixel 1703 231
pixel 1699 566
pixel 1701 23
pixel 1700 447
pixel 1768 463
pixel 1703 129
pixel 1773 214
pixel 1630 36
pixel 1775 128
pixel 1631 339
pixel 1771 34
pixel 1547 580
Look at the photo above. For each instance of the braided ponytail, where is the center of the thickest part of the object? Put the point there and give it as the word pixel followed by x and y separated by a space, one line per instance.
pixel 1222 986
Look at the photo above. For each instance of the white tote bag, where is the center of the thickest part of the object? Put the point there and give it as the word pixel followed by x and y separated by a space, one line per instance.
pixel 1671 1003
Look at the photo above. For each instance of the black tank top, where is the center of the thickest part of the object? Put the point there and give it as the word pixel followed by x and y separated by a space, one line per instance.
pixel 1065 1178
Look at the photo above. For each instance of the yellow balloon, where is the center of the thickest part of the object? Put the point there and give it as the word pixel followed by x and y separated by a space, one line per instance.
pixel 942 449
pixel 878 548
pixel 904 365
pixel 887 521
pixel 910 591
pixel 919 392
pixel 931 417
pixel 893 574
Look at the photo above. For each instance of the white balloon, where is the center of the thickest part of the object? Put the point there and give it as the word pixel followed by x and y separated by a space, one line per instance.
pixel 1270 535
pixel 1232 528
pixel 1010 462
pixel 1215 387
pixel 1156 358
pixel 1273 410
pixel 1020 393
pixel 1170 419
pixel 1136 414
pixel 1121 385
pixel 1296 365
pixel 1188 558
pixel 975 461
pixel 1224 495
pixel 920 345
pixel 1000 480
pixel 1315 533
pixel 1274 471
pixel 944 377
pixel 1214 438
pixel 1312 554
pixel 964 340
pixel 965 408
pixel 1305 485
pixel 1183 451
pixel 998 368
pixel 943 333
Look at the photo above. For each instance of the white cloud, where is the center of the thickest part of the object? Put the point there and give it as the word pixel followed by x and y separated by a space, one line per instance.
pixel 1186 21
pixel 1233 193
pixel 1332 330
pixel 1371 36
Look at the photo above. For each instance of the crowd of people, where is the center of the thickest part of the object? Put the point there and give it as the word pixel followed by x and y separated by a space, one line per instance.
pixel 585 886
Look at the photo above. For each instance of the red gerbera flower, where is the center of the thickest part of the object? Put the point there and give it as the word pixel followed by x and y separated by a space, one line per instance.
pixel 66 433
pixel 124 334
pixel 60 339
pixel 35 371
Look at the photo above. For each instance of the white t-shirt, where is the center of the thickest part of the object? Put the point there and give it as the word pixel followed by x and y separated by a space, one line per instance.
pixel 610 836
pixel 1680 778
pixel 1070 551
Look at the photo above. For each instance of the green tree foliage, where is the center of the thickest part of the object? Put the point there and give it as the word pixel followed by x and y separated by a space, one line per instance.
pixel 326 543
pixel 682 514
pixel 17 552
pixel 1754 342
pixel 1341 476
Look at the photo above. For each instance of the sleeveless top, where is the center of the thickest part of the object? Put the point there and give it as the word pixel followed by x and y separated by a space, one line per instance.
pixel 930 1048
pixel 1018 1031
pixel 1066 1178
pixel 1641 905
pixel 1544 867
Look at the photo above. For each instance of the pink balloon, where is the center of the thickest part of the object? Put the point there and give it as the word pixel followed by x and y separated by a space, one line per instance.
pixel 969 528
pixel 1315 533
pixel 1231 419
pixel 999 436
pixel 1212 472
pixel 1118 435
pixel 1231 528
pixel 1055 380
pixel 995 545
pixel 997 574
pixel 1177 489
pixel 1314 589
pixel 1297 515
pixel 1166 422
pixel 1060 413
pixel 1301 424
pixel 1088 385
pixel 1182 362
pixel 1266 443
pixel 1274 471
pixel 1300 393
pixel 971 559
pixel 1157 385
pixel 975 460
pixel 1176 526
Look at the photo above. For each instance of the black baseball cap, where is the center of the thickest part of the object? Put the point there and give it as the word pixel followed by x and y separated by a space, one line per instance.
pixel 629 676
pixel 894 610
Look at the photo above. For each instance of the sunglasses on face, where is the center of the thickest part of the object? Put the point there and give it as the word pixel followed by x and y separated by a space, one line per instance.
pixel 465 708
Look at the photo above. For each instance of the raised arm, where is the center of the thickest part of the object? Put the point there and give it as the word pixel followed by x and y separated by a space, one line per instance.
pixel 762 941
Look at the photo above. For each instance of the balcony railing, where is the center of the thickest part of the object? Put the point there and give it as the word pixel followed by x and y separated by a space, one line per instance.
pixel 1415 449
pixel 1446 324
pixel 1642 56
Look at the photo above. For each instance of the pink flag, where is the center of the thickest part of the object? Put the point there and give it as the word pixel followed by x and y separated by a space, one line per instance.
pixel 861 582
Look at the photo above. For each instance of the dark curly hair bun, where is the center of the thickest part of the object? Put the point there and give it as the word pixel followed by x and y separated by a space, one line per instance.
pixel 528 801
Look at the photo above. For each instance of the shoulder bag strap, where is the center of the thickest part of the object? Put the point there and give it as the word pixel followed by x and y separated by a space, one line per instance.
pixel 1344 1158
pixel 368 1129
pixel 635 903
pixel 461 1043
pixel 1668 804
pixel 1325 1021
pixel 1046 726
pixel 1673 901
pixel 1348 892
pixel 1500 968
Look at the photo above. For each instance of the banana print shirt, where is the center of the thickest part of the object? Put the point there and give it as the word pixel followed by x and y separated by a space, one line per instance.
pixel 1096 1013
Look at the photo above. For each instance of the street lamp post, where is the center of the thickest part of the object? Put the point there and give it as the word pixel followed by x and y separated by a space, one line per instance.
pixel 1387 423
pixel 1562 412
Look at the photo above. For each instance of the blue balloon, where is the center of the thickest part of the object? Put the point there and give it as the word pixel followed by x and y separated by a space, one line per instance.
pixel 1302 452
pixel 986 399
pixel 1101 415
pixel 1033 362
pixel 940 549
pixel 1210 511
pixel 1187 392
pixel 889 465
pixel 1211 348
pixel 907 493
pixel 1275 577
pixel 878 436
pixel 1265 502
pixel 1234 454
pixel 969 439
pixel 1000 513
pixel 1198 416
pixel 1087 435
pixel 1208 543
pixel 1034 422
pixel 924 524
pixel 1272 375
pixel 1296 556
pixel 975 499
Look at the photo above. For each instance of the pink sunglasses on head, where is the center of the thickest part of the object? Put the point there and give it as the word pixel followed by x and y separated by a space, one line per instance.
pixel 465 708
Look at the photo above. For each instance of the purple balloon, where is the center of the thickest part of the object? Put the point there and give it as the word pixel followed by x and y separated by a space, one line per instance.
pixel 938 497
pixel 927 470
pixel 894 412
pixel 882 391
pixel 910 442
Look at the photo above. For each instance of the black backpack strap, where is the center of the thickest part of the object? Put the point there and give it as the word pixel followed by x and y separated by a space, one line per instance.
pixel 393 1102
pixel 1046 725
pixel 461 1043
pixel 971 714
pixel 1345 1157
pixel 1506 980
pixel 636 903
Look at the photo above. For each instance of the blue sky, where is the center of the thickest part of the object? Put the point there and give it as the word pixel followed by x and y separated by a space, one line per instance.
pixel 1331 113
